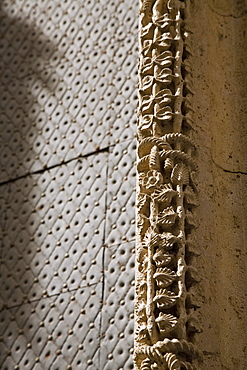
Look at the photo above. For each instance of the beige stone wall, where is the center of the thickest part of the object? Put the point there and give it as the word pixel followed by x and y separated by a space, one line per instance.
pixel 220 80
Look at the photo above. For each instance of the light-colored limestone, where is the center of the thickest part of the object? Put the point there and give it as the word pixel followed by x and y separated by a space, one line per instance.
pixel 216 229
pixel 165 279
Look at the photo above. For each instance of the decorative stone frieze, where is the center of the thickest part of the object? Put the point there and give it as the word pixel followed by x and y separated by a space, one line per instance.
pixel 166 196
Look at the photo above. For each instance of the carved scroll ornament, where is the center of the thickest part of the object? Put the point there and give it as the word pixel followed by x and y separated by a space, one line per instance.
pixel 166 195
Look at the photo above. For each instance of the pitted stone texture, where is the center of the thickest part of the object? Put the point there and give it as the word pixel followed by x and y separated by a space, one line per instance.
pixel 53 226
pixel 52 333
pixel 68 80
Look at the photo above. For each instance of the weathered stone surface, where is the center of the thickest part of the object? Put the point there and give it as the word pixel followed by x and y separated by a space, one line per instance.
pixel 219 46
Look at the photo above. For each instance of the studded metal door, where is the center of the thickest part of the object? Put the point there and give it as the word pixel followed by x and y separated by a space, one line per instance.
pixel 68 97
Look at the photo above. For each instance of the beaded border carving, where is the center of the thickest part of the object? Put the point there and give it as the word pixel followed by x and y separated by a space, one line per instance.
pixel 166 193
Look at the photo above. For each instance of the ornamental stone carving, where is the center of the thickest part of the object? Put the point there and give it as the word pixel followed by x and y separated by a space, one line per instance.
pixel 166 196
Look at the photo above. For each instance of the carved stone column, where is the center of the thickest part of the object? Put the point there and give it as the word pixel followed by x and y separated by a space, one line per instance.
pixel 166 194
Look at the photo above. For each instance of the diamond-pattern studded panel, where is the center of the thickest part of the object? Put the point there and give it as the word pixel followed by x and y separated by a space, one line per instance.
pixel 118 316
pixel 69 70
pixel 53 226
pixel 53 333
pixel 120 221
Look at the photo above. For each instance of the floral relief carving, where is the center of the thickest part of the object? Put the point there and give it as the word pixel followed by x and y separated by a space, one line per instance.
pixel 166 197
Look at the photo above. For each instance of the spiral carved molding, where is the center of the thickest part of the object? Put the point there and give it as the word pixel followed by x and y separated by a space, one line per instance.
pixel 166 195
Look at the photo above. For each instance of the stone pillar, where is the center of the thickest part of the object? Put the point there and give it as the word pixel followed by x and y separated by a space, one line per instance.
pixel 191 261
pixel 165 324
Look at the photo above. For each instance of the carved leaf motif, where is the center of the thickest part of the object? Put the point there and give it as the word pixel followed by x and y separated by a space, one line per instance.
pixel 145 30
pixel 164 113
pixel 180 174
pixel 187 366
pixel 147 66
pixel 164 194
pixel 162 259
pixel 166 58
pixel 161 38
pixel 190 219
pixel 188 48
pixel 164 96
pixel 193 297
pixel 154 159
pixel 146 364
pixel 175 4
pixel 151 238
pixel 168 164
pixel 147 4
pixel 141 176
pixel 163 21
pixel 148 63
pixel 142 288
pixel 147 104
pixel 194 180
pixel 179 155
pixel 192 275
pixel 188 105
pixel 147 83
pixel 164 277
pixel 143 164
pixel 190 196
pixel 142 222
pixel 141 332
pixel 172 362
pixel 144 264
pixel 187 65
pixel 193 325
pixel 142 311
pixel 147 144
pixel 189 84
pixel 142 201
pixel 173 138
pixel 167 217
pixel 151 180
pixel 165 298
pixel 142 260
pixel 146 122
pixel 168 239
pixel 188 108
pixel 163 58
pixel 188 119
pixel 164 41
pixel 165 76
pixel 140 254
pixel 192 248
pixel 166 322
pixel 147 46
